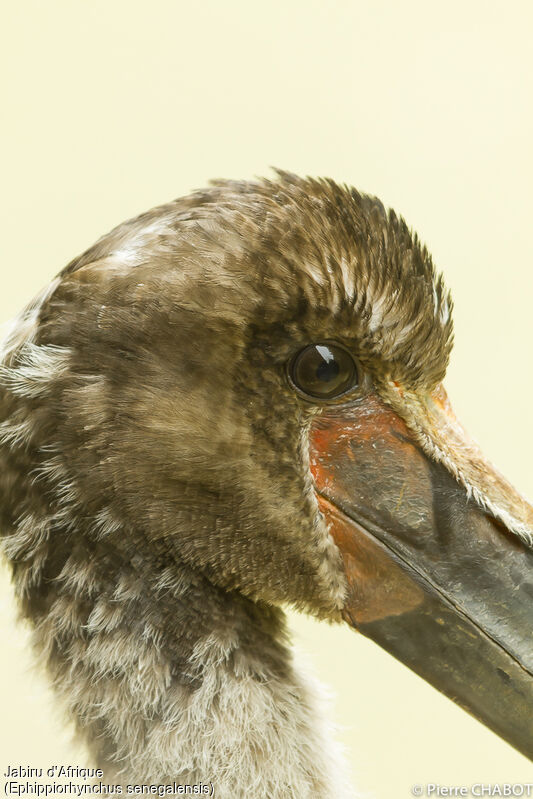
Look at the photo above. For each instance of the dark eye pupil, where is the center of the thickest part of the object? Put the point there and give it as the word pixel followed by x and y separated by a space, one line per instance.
pixel 328 371
pixel 324 371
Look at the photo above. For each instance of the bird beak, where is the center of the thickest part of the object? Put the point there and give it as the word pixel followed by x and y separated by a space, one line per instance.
pixel 435 545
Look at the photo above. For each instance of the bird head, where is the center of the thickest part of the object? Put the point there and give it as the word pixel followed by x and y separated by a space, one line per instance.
pixel 248 381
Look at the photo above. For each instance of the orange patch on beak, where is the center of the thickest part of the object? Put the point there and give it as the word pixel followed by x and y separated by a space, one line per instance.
pixel 431 576
pixel 377 586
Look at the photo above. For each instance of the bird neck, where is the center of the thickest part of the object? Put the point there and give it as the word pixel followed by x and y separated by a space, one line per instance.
pixel 172 679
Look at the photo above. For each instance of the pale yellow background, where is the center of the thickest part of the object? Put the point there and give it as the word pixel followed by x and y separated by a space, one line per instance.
pixel 111 107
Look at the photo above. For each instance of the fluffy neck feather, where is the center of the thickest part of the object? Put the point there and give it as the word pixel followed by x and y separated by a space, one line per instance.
pixel 171 679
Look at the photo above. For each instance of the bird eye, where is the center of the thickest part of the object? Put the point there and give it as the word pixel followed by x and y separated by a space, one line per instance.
pixel 324 371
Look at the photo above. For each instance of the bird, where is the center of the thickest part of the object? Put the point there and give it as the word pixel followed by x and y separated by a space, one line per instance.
pixel 228 406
